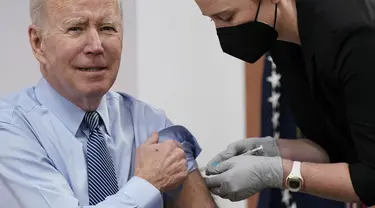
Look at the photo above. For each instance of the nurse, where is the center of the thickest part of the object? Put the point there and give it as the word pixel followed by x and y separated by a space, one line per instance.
pixel 325 51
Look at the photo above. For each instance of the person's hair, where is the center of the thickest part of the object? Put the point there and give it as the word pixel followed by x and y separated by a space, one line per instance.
pixel 36 8
pixel 38 11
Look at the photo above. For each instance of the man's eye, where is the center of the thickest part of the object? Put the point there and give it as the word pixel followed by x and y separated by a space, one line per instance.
pixel 75 29
pixel 108 28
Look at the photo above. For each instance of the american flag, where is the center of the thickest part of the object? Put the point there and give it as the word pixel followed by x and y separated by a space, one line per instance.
pixel 277 121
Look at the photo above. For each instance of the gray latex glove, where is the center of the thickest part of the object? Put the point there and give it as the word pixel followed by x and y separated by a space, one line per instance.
pixel 240 177
pixel 270 149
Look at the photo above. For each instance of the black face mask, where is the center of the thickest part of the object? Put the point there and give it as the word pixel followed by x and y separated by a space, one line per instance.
pixel 248 41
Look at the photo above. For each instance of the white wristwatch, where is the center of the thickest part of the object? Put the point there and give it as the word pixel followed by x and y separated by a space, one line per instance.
pixel 294 181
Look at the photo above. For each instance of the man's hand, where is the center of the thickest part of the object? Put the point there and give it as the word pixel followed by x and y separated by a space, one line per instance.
pixel 270 149
pixel 240 177
pixel 161 164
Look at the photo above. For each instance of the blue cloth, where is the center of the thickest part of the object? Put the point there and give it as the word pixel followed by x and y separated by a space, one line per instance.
pixel 43 149
pixel 189 144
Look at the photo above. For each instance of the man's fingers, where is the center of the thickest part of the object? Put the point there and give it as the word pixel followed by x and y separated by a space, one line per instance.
pixel 178 144
pixel 154 139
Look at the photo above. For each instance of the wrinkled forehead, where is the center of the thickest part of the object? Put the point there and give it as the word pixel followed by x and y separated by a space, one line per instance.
pixel 210 7
pixel 93 9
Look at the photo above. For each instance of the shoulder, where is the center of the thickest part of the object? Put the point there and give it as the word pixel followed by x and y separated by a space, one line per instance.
pixel 349 16
pixel 142 113
pixel 356 54
pixel 17 113
pixel 360 40
pixel 17 105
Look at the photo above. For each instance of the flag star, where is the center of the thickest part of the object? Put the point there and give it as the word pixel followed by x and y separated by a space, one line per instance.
pixel 274 79
pixel 294 205
pixel 286 197
pixel 275 119
pixel 273 65
pixel 274 99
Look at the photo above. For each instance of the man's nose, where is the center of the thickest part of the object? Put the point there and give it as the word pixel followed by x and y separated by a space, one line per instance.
pixel 94 43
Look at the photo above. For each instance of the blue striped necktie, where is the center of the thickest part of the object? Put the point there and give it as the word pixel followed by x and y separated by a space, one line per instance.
pixel 102 181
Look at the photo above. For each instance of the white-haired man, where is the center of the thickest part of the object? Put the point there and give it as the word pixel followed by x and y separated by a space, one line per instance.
pixel 70 142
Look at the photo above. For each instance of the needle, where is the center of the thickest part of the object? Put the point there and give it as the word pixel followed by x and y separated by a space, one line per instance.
pixel 250 152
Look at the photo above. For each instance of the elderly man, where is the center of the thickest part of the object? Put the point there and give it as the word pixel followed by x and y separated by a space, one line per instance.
pixel 70 142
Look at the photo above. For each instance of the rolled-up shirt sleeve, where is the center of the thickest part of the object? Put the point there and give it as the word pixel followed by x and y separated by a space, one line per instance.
pixel 28 179
pixel 189 144
pixel 358 84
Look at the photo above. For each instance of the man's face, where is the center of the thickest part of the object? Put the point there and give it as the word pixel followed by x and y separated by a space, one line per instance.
pixel 81 49
pixel 226 13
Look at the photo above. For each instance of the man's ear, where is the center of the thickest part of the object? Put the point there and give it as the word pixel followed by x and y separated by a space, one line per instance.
pixel 36 42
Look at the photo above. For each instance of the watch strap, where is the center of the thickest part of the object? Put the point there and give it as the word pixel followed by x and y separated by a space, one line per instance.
pixel 294 176
pixel 296 169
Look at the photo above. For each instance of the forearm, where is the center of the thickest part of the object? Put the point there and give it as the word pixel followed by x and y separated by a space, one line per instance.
pixel 302 150
pixel 330 181
pixel 19 193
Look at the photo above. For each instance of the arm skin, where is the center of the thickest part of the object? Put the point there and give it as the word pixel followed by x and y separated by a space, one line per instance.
pixel 302 150
pixel 330 181
pixel 194 194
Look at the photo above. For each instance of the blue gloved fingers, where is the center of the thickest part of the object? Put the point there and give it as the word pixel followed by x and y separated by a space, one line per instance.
pixel 213 182
pixel 237 148
pixel 223 193
pixel 241 146
pixel 219 192
pixel 215 161
pixel 217 168
pixel 217 180
pixel 231 196
pixel 215 191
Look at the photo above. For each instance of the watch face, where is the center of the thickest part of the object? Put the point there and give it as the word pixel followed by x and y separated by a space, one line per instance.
pixel 294 184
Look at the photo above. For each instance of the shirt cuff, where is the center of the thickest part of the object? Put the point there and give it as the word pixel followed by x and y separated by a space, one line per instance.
pixel 142 192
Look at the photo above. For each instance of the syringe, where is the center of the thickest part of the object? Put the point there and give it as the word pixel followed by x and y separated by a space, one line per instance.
pixel 249 152
pixel 252 151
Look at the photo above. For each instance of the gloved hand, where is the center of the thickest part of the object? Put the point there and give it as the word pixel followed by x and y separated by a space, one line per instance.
pixel 270 149
pixel 240 177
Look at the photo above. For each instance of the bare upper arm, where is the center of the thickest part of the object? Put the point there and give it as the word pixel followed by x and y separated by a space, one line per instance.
pixel 194 194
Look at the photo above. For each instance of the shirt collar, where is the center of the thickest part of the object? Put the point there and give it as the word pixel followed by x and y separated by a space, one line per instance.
pixel 69 114
pixel 103 112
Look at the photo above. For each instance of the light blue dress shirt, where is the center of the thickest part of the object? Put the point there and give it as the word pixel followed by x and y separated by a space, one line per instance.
pixel 43 150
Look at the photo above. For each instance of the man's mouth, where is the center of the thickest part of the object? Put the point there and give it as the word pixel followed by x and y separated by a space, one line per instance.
pixel 93 69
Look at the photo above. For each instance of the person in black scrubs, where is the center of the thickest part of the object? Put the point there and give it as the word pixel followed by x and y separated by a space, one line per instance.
pixel 325 52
